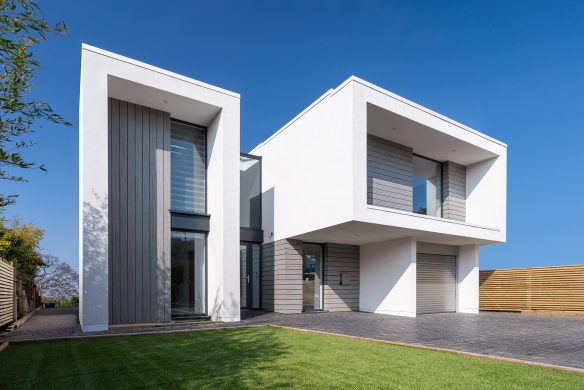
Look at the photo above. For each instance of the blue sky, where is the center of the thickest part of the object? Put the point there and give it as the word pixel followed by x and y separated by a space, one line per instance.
pixel 512 69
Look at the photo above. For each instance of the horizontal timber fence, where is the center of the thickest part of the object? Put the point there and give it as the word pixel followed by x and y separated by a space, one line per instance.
pixel 559 288
pixel 7 312
pixel 19 294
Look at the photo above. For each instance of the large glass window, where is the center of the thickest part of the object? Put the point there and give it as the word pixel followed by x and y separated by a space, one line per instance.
pixel 187 162
pixel 187 264
pixel 427 186
pixel 250 192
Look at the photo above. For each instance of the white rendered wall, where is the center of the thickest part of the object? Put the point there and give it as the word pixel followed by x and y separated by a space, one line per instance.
pixel 467 285
pixel 93 196
pixel 388 277
pixel 486 193
pixel 223 205
pixel 105 74
pixel 307 169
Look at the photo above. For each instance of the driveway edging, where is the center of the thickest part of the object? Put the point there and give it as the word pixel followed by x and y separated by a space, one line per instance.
pixel 106 335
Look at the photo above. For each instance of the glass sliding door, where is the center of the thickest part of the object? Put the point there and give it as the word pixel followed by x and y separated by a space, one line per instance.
pixel 250 276
pixel 312 277
pixel 188 274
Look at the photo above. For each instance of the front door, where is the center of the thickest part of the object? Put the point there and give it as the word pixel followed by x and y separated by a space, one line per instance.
pixel 249 260
pixel 311 277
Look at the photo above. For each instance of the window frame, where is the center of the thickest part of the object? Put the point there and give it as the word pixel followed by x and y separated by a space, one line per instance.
pixel 441 164
pixel 206 163
pixel 258 158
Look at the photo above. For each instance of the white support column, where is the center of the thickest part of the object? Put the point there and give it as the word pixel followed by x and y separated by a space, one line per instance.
pixel 223 206
pixel 467 284
pixel 388 277
pixel 93 194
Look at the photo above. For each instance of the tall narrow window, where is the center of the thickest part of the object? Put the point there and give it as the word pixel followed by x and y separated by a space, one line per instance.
pixel 250 192
pixel 188 177
pixel 427 186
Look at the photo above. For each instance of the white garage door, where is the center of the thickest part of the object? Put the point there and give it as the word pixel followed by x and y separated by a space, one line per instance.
pixel 436 283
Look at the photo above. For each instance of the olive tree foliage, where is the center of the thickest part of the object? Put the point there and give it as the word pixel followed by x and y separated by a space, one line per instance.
pixel 22 27
pixel 19 245
pixel 58 279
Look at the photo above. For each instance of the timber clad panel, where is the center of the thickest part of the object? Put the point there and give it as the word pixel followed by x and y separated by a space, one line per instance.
pixel 341 277
pixel 6 293
pixel 282 276
pixel 389 174
pixel 539 288
pixel 139 223
pixel 454 191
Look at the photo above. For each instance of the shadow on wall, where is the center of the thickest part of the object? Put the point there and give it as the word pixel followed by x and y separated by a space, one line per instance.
pixel 95 256
pixel 481 170
pixel 221 308
pixel 382 279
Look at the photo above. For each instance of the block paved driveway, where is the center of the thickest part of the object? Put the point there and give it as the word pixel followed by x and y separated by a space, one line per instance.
pixel 541 339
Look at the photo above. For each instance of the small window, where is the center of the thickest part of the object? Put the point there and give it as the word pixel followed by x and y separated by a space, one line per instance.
pixel 187 162
pixel 427 187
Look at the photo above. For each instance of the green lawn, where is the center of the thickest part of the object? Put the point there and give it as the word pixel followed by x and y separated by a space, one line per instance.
pixel 256 358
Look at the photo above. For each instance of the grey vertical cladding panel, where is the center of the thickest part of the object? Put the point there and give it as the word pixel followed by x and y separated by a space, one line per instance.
pixel 435 283
pixel 131 209
pixel 146 301
pixel 137 277
pixel 389 174
pixel 139 224
pixel 153 217
pixel 123 210
pixel 454 191
pixel 110 217
pixel 166 207
pixel 341 277
pixel 282 276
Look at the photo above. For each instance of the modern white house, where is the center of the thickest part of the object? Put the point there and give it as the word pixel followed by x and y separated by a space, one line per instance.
pixel 374 203
pixel 365 201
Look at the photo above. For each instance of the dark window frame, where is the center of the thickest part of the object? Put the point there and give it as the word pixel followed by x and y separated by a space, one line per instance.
pixel 205 213
pixel 206 233
pixel 196 219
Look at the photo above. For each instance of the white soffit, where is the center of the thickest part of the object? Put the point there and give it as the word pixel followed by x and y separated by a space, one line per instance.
pixel 362 233
pixel 425 140
pixel 179 107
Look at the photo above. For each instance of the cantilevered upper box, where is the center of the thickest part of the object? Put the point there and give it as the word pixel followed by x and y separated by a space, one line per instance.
pixel 362 164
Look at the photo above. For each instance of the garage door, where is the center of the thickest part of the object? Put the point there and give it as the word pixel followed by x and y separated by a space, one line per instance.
pixel 436 283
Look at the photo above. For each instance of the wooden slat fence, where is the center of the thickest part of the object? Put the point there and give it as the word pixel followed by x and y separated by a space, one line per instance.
pixel 6 293
pixel 559 288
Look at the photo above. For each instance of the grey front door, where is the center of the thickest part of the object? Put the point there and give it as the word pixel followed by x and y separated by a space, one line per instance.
pixel 250 277
pixel 436 283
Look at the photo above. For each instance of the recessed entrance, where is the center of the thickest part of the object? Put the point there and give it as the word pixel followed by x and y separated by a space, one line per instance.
pixel 311 277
